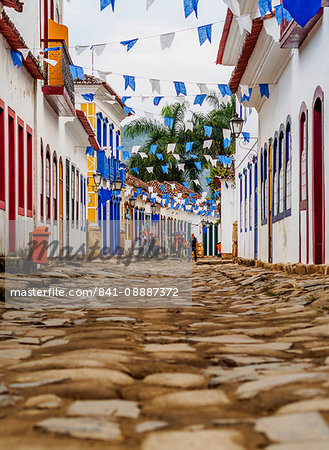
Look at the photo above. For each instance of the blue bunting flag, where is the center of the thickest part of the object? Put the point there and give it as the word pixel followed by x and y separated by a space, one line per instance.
pixel 169 122
pixel 17 58
pixel 77 72
pixel 207 130
pixel 51 49
pixel 180 87
pixel 281 13
pixel 265 6
pixel 90 151
pixel 264 90
pixel 188 146
pixel 129 44
pixel 157 100
pixel 199 99
pixel 246 136
pixel 125 154
pixel 227 142
pixel 208 180
pixel 88 97
pixel 225 90
pixel 221 159
pixel 191 155
pixel 205 33
pixel 129 82
pixel 128 110
pixel 162 187
pixel 159 156
pixel 124 99
pixel 135 169
pixel 228 160
pixel 165 169
pixel 105 3
pixel 198 165
pixel 184 184
pixel 302 10
pixel 153 149
pixel 190 6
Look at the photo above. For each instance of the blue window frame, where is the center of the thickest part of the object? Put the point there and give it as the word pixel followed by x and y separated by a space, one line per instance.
pixel 250 196
pixel 245 199
pixel 287 171
pixel 111 127
pixel 265 187
pixel 275 179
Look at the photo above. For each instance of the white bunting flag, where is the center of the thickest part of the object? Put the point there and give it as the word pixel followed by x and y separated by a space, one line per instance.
pixel 207 144
pixel 226 133
pixel 81 48
pixel 244 90
pixel 234 6
pixel 204 194
pixel 203 88
pixel 245 23
pixel 52 62
pixel 24 51
pixel 135 149
pixel 143 155
pixel 155 85
pixel 103 74
pixel 207 157
pixel 150 189
pixel 213 162
pixel 166 40
pixel 149 3
pixel 171 148
pixel 188 126
pixel 149 169
pixel 172 186
pixel 179 195
pixel 176 156
pixel 272 28
pixel 197 183
pixel 99 49
pixel 181 167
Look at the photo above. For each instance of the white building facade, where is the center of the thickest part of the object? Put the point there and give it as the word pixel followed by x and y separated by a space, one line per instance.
pixel 291 201
pixel 43 141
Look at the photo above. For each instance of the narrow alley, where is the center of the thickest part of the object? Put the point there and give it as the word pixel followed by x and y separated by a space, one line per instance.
pixel 245 367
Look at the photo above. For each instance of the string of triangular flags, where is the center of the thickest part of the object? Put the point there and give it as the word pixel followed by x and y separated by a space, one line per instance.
pixel 190 6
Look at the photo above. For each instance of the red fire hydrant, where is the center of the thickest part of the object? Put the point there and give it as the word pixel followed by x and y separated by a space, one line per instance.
pixel 40 237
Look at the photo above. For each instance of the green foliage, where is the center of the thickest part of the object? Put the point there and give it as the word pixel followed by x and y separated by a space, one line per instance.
pixel 157 133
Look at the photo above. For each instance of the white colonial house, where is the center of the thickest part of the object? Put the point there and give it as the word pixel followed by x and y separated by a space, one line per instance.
pixel 147 211
pixel 105 112
pixel 43 140
pixel 286 212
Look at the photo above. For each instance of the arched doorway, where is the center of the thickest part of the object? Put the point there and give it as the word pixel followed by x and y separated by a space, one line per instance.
pixel 303 187
pixel 61 203
pixel 318 180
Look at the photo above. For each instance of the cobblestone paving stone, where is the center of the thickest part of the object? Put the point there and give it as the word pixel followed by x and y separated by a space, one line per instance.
pixel 246 367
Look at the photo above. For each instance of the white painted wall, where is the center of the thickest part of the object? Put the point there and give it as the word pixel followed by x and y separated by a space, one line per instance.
pixel 228 214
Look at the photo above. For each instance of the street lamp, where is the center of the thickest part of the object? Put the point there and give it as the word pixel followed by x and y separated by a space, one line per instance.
pixel 117 184
pixel 207 224
pixel 97 179
pixel 236 124
pixel 132 202
pixel 153 208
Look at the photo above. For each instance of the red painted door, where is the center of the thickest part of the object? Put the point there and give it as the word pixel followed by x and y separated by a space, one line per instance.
pixel 12 181
pixel 318 184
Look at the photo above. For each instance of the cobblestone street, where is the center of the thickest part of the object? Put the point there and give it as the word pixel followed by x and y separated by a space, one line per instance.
pixel 246 367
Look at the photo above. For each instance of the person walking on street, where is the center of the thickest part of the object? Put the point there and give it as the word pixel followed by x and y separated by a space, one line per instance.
pixel 194 242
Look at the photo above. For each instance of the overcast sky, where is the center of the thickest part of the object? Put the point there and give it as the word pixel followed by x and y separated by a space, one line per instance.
pixel 184 61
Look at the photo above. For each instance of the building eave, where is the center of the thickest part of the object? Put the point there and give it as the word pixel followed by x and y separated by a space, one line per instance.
pixel 15 4
pixel 16 42
pixel 225 34
pixel 87 127
pixel 248 47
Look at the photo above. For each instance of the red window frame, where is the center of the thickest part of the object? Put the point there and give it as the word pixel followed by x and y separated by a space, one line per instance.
pixel 48 184
pixel 21 166
pixel 42 183
pixel 29 172
pixel 55 185
pixel 2 157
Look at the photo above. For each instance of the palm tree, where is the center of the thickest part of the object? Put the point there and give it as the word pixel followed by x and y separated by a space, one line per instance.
pixel 160 135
